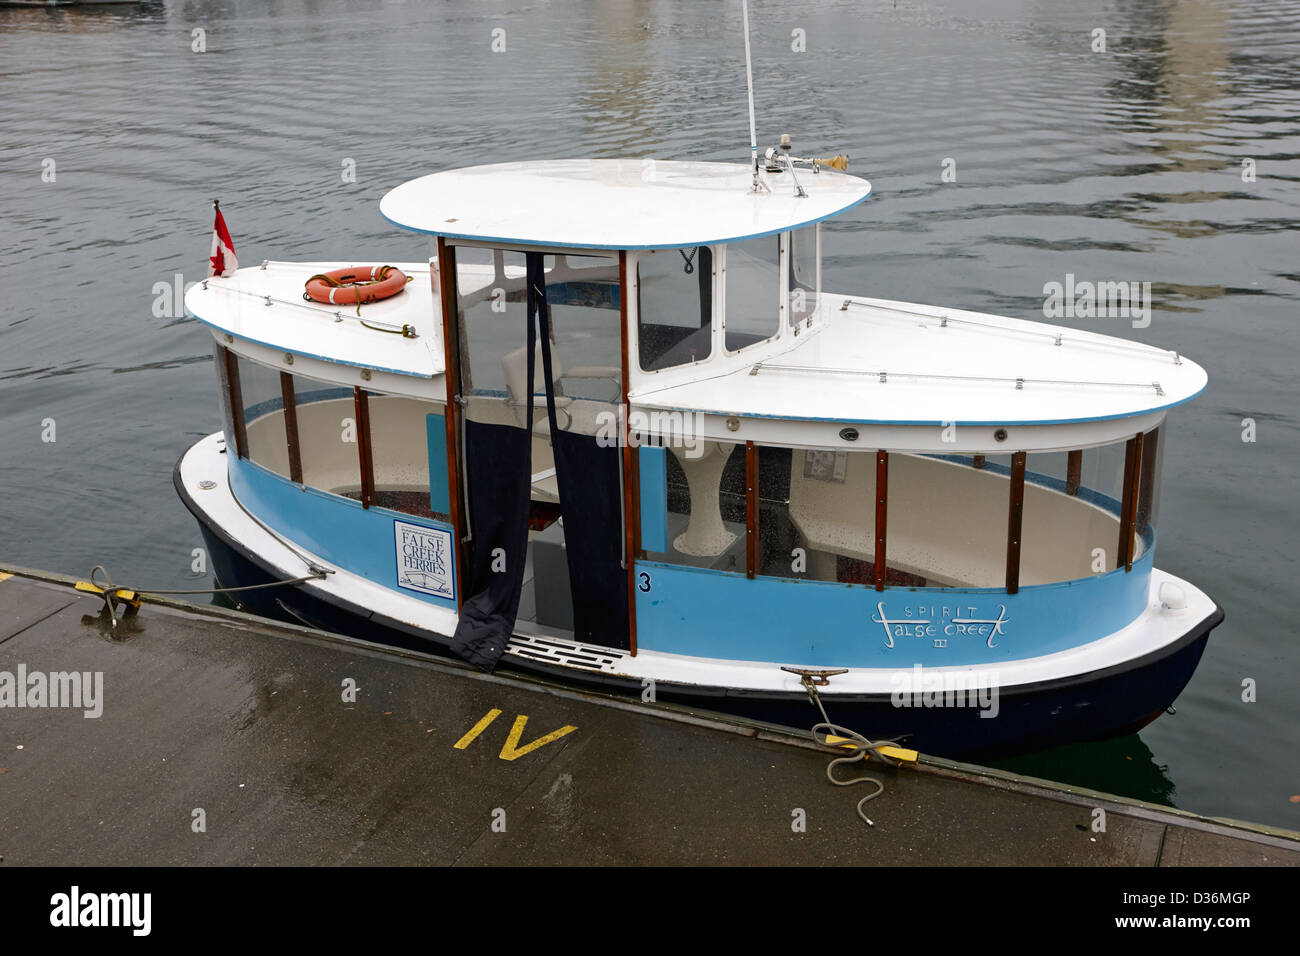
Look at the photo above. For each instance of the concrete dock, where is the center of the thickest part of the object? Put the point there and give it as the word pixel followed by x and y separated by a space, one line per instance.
pixel 227 739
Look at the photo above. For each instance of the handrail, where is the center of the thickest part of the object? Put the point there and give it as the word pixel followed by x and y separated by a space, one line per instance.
pixel 1057 337
pixel 1019 382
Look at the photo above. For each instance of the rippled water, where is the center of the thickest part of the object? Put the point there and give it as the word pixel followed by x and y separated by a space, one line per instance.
pixel 1123 165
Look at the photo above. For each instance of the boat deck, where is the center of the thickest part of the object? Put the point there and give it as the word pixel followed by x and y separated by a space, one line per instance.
pixel 245 719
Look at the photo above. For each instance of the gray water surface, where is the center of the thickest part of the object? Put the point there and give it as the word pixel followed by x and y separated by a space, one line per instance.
pixel 1123 165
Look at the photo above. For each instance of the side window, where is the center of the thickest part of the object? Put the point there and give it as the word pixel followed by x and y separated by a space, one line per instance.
pixel 803 284
pixel 586 342
pixel 263 403
pixel 704 522
pixel 491 304
pixel 408 444
pixel 674 307
pixel 816 514
pixel 327 436
pixel 753 291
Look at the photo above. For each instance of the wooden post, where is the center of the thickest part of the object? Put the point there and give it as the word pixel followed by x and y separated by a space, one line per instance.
pixel 365 458
pixel 882 498
pixel 1128 507
pixel 1147 482
pixel 291 427
pixel 236 403
pixel 631 462
pixel 1128 504
pixel 1073 471
pixel 444 279
pixel 751 510
pixel 977 461
pixel 1015 521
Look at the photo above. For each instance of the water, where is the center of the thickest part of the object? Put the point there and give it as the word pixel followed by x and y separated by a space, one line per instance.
pixel 1123 165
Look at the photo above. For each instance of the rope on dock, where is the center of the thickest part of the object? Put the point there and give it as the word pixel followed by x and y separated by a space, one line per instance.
pixel 833 735
pixel 862 750
pixel 132 596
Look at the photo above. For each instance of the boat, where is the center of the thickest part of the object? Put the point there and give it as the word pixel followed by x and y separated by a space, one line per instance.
pixel 613 430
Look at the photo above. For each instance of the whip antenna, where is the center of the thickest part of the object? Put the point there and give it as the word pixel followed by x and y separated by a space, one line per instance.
pixel 749 80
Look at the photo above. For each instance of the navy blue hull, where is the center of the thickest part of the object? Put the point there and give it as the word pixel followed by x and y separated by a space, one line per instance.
pixel 1090 706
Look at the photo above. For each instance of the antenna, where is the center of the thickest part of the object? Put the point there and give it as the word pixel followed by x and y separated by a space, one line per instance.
pixel 749 80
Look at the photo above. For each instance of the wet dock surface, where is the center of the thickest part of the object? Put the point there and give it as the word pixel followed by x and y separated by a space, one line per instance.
pixel 246 727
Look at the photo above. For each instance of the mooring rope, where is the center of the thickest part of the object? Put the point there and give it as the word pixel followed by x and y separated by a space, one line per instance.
pixel 110 587
pixel 862 748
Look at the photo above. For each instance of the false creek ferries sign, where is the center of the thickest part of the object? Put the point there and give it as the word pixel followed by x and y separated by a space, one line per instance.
pixel 424 559
pixel 940 623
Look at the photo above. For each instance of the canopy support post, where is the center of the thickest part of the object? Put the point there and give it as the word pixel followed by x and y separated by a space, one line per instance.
pixel 631 464
pixel 236 403
pixel 882 498
pixel 291 427
pixel 1015 521
pixel 1073 471
pixel 365 458
pixel 1147 483
pixel 751 510
pixel 1128 508
pixel 444 279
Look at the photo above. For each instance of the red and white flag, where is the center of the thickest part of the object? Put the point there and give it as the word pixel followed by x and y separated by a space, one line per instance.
pixel 222 262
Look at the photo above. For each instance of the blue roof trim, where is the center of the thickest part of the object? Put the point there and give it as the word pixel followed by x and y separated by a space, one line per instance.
pixel 591 245
pixel 633 400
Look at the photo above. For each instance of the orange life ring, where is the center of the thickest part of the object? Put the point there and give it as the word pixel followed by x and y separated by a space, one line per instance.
pixel 356 285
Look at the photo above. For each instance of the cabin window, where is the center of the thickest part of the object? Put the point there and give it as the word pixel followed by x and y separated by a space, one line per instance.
pixel 805 277
pixel 586 338
pixel 491 307
pixel 1074 506
pixel 328 436
pixel 408 447
pixel 586 347
pixel 946 516
pixel 1071 514
pixel 816 514
pixel 674 307
pixel 752 298
pixel 307 431
pixel 264 422
pixel 705 525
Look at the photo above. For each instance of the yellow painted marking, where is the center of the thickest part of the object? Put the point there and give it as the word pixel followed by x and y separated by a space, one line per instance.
pixel 5 576
pixel 122 594
pixel 898 753
pixel 512 750
pixel 477 729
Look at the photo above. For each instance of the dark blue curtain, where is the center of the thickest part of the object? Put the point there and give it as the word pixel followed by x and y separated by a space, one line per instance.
pixel 590 482
pixel 498 460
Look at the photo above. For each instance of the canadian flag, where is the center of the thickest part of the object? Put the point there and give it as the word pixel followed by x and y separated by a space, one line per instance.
pixel 222 262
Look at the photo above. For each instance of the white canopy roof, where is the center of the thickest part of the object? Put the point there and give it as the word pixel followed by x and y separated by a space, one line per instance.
pixel 880 362
pixel 615 203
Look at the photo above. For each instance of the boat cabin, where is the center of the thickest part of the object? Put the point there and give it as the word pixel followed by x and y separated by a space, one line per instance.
pixel 616 412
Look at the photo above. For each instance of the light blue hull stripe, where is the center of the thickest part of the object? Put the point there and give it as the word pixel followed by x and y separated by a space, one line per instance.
pixel 360 540
pixel 653 473
pixel 723 614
